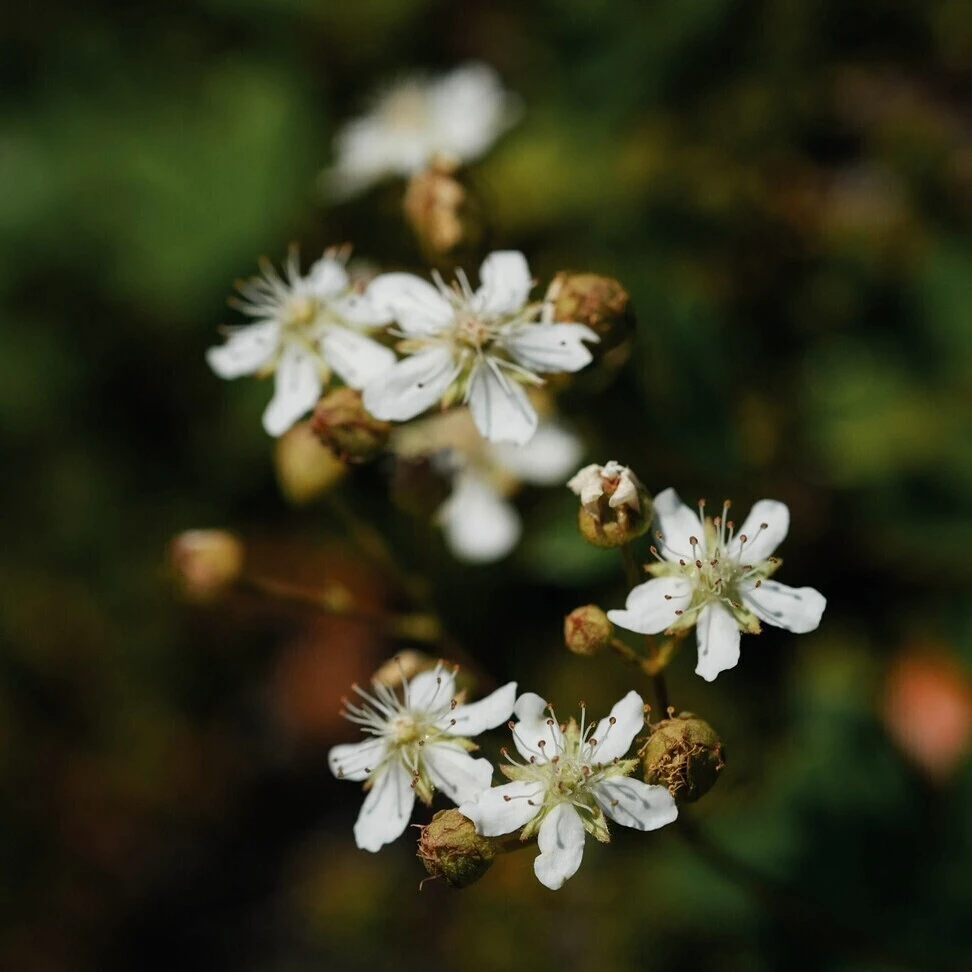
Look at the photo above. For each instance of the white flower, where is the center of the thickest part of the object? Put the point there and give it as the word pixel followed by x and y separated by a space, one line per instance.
pixel 479 347
pixel 456 117
pixel 573 779
pixel 618 481
pixel 711 577
pixel 305 327
pixel 480 523
pixel 416 744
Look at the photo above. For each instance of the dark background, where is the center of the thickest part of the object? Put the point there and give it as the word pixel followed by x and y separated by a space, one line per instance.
pixel 784 186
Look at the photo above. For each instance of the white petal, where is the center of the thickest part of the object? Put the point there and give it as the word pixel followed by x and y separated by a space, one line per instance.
pixel 499 406
pixel 471 720
pixel 326 278
pixel 414 303
pixel 718 636
pixel 503 809
pixel 505 284
pixel 796 609
pixel 615 739
pixel 588 485
pixel 561 843
pixel 297 389
pixel 246 350
pixel 356 358
pixel 456 773
pixel 355 761
pixel 432 689
pixel 411 386
pixel 651 606
pixel 760 543
pixel 536 725
pixel 387 808
pixel 550 347
pixel 677 524
pixel 359 310
pixel 635 804
pixel 546 459
pixel 480 525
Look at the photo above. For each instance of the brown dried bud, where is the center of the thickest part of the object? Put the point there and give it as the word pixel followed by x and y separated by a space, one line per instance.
pixel 434 203
pixel 451 849
pixel 599 302
pixel 587 630
pixel 347 428
pixel 615 507
pixel 206 562
pixel 685 755
pixel 305 470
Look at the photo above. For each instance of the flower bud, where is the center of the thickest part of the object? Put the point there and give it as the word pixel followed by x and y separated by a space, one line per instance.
pixel 433 204
pixel 587 630
pixel 685 755
pixel 305 470
pixel 615 507
pixel 599 302
pixel 206 562
pixel 451 849
pixel 347 428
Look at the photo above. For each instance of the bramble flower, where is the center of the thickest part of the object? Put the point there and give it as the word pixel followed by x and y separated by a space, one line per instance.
pixel 478 347
pixel 456 117
pixel 617 482
pixel 479 522
pixel 573 779
pixel 417 743
pixel 305 327
pixel 712 578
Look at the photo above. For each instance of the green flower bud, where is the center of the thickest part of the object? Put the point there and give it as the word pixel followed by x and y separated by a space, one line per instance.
pixel 347 428
pixel 685 755
pixel 587 630
pixel 451 849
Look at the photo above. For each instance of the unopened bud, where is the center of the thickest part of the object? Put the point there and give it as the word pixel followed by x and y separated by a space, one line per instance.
pixel 587 630
pixel 347 428
pixel 434 203
pixel 615 507
pixel 599 302
pixel 685 755
pixel 418 487
pixel 206 562
pixel 451 849
pixel 305 470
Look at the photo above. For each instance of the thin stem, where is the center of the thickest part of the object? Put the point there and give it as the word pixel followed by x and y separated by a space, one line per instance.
pixel 650 665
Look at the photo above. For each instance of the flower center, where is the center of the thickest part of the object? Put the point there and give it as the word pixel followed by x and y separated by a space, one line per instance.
pixel 405 730
pixel 299 313
pixel 406 110
pixel 472 331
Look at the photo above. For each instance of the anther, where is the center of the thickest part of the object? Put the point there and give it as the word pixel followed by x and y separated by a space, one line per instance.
pixel 453 703
pixel 452 722
pixel 759 583
pixel 541 743
pixel 550 722
pixel 668 597
pixel 614 803
pixel 681 563
pixel 713 563
pixel 698 564
pixel 694 541
pixel 504 751
pixel 613 720
pixel 507 797
pixel 679 613
pixel 764 526
pixel 743 538
pixel 511 724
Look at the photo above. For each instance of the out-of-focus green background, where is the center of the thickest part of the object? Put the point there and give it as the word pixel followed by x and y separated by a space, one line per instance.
pixel 785 187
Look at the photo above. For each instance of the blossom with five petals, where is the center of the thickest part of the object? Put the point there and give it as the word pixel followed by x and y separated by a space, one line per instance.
pixel 574 778
pixel 709 576
pixel 456 117
pixel 479 347
pixel 305 327
pixel 417 743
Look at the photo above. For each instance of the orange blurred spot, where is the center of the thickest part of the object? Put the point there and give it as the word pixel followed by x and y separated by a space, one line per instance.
pixel 928 710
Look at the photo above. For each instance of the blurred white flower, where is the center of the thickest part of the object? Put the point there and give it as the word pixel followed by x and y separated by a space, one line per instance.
pixel 479 521
pixel 593 481
pixel 573 778
pixel 456 117
pixel 478 347
pixel 712 578
pixel 416 744
pixel 305 327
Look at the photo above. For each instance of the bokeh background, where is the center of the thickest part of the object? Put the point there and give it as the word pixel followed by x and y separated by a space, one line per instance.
pixel 785 187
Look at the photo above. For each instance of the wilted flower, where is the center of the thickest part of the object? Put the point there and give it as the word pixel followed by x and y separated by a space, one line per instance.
pixel 305 328
pixel 456 117
pixel 715 579
pixel 417 743
pixel 478 347
pixel 615 507
pixel 573 778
